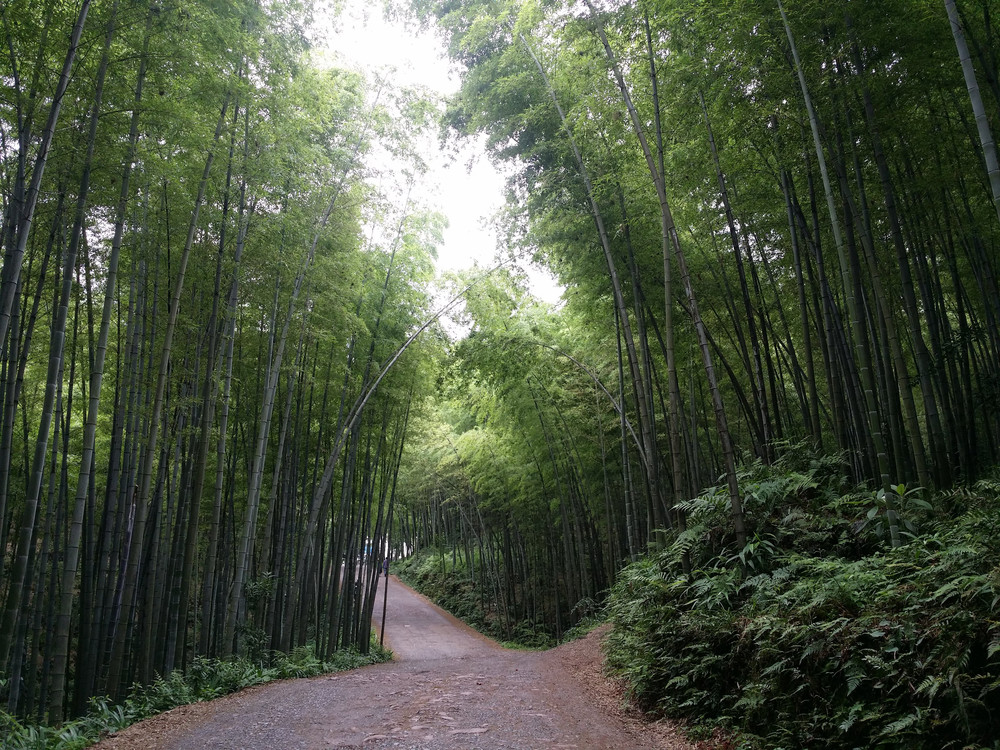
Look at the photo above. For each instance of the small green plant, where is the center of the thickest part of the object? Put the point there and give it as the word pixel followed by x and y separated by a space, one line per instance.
pixel 907 504
pixel 756 555
pixel 260 587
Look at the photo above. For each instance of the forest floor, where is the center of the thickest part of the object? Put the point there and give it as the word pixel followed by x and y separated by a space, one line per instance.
pixel 448 687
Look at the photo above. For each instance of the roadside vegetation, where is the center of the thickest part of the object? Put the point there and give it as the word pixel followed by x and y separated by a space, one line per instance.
pixel 815 633
pixel 818 633
pixel 204 680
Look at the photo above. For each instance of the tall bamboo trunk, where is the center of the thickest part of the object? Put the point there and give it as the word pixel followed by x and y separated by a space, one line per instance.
pixel 11 271
pixel 53 381
pixel 853 305
pixel 978 108
pixel 253 499
pixel 757 371
pixel 650 460
pixel 145 476
pixel 669 230
pixel 62 631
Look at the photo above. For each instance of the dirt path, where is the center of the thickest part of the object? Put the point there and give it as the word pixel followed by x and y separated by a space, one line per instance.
pixel 448 688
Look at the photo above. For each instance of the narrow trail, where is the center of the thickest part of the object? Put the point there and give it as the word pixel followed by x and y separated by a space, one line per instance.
pixel 447 688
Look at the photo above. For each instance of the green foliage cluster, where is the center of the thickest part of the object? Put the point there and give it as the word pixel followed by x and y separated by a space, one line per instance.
pixel 817 634
pixel 453 588
pixel 204 680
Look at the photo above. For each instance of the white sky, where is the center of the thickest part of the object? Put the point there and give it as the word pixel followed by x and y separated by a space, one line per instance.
pixel 469 197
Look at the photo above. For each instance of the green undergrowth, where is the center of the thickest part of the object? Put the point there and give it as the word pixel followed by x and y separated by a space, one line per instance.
pixel 817 633
pixel 204 680
pixel 448 582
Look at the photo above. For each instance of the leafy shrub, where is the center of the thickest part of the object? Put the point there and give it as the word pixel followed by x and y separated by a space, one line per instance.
pixel 817 634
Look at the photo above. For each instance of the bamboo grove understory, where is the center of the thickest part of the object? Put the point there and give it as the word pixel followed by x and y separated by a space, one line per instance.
pixel 777 224
pixel 201 283
pixel 778 228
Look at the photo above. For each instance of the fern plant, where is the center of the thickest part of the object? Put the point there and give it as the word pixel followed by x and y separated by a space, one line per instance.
pixel 817 634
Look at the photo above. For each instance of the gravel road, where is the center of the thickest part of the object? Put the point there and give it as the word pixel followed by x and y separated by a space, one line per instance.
pixel 447 688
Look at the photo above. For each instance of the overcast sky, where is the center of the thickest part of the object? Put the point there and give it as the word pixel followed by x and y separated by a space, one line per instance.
pixel 469 197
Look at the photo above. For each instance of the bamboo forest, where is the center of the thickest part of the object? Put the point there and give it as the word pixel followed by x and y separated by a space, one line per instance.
pixel 758 433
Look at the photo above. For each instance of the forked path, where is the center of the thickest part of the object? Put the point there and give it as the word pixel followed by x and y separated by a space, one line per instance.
pixel 449 687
